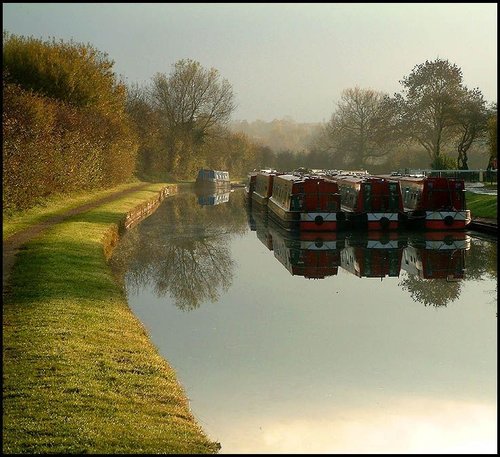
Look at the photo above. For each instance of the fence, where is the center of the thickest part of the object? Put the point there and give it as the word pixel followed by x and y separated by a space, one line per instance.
pixel 484 176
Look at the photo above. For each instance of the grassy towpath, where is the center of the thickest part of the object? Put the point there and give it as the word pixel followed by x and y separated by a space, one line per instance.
pixel 482 205
pixel 80 374
pixel 21 228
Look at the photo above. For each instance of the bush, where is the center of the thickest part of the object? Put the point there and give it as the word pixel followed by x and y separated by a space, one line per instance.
pixel 64 123
pixel 444 162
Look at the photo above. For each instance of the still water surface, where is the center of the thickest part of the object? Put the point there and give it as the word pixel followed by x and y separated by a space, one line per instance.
pixel 344 344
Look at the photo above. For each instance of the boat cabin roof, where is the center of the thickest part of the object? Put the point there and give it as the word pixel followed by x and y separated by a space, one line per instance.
pixel 359 179
pixel 220 174
pixel 290 178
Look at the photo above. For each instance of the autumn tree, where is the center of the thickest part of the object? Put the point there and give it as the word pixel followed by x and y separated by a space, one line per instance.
pixel 75 73
pixel 195 265
pixel 152 152
pixel 193 103
pixel 358 128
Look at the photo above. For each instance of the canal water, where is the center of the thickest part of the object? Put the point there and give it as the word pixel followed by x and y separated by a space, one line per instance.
pixel 347 343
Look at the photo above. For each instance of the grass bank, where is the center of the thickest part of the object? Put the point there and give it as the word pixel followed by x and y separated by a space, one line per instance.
pixel 80 374
pixel 481 205
pixel 14 222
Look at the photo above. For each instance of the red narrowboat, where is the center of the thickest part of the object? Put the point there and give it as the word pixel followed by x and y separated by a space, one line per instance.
pixel 370 201
pixel 263 187
pixel 305 203
pixel 250 186
pixel 436 202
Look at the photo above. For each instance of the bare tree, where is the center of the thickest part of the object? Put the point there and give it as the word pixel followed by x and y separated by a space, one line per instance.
pixel 193 102
pixel 357 128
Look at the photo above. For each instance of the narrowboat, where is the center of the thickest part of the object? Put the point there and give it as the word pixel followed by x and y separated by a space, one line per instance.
pixel 305 203
pixel 370 202
pixel 263 188
pixel 250 186
pixel 436 203
pixel 213 179
pixel 437 255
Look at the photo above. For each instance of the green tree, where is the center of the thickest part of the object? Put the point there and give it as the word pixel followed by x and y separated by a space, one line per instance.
pixel 431 292
pixel 472 119
pixel 444 162
pixel 428 107
pixel 492 135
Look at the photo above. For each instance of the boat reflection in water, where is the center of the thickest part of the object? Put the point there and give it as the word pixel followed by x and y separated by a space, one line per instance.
pixel 262 229
pixel 308 254
pixel 374 255
pixel 433 255
pixel 210 197
pixel 425 255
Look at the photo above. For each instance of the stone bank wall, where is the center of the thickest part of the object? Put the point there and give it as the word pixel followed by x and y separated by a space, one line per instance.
pixel 142 211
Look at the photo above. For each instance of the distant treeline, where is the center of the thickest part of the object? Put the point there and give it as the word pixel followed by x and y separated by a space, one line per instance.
pixel 280 134
pixel 70 124
pixel 436 122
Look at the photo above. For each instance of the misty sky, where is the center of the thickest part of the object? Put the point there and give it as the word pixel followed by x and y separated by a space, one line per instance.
pixel 282 59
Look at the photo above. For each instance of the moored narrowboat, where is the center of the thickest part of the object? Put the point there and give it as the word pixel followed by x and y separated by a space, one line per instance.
pixel 370 202
pixel 213 179
pixel 436 203
pixel 305 203
pixel 263 188
pixel 250 186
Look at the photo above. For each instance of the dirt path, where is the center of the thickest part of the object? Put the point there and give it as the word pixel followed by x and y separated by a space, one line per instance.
pixel 12 244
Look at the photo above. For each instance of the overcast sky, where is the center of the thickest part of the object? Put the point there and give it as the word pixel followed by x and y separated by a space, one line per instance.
pixel 282 59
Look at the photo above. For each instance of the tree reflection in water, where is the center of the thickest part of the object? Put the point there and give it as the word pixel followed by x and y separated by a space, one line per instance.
pixel 435 292
pixel 448 269
pixel 182 250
